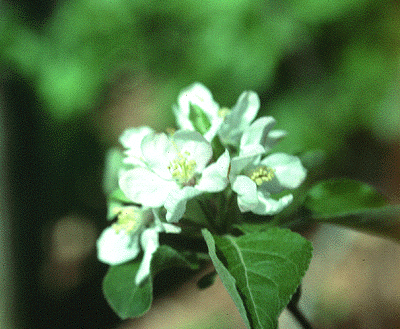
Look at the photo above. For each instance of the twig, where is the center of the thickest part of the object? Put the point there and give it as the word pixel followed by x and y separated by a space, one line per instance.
pixel 293 307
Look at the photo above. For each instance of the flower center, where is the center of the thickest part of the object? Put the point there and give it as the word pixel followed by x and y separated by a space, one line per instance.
pixel 182 169
pixel 129 219
pixel 262 174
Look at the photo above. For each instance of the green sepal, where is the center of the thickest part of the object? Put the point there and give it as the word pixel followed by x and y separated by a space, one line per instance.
pixel 119 196
pixel 260 271
pixel 199 119
pixel 218 147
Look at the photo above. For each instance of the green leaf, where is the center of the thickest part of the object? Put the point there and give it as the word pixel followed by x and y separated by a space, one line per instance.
pixel 226 277
pixel 199 119
pixel 342 196
pixel 127 299
pixel 355 205
pixel 167 257
pixel 261 271
pixel 384 221
pixel 246 227
pixel 197 211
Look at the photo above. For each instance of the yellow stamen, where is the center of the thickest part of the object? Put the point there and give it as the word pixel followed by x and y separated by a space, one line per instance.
pixel 182 169
pixel 262 174
pixel 129 219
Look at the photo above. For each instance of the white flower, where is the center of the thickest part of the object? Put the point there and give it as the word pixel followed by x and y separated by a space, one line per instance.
pixel 174 170
pixel 255 181
pixel 239 118
pixel 135 230
pixel 198 95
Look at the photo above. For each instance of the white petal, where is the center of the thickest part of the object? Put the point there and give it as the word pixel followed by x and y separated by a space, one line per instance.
pixel 199 95
pixel 158 153
pixel 269 206
pixel 149 242
pixel 145 187
pixel 246 190
pixel 116 248
pixel 132 158
pixel 288 169
pixel 176 202
pixel 274 136
pixel 171 228
pixel 252 150
pixel 240 162
pixel 256 133
pixel 215 177
pixel 182 117
pixel 132 137
pixel 239 118
pixel 246 108
pixel 203 98
pixel 160 226
pixel 196 145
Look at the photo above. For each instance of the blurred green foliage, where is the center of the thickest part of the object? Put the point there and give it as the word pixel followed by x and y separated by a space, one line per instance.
pixel 222 42
pixel 323 69
pixel 341 57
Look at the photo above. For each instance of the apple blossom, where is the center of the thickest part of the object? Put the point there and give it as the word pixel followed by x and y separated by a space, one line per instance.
pixel 136 229
pixel 255 181
pixel 174 170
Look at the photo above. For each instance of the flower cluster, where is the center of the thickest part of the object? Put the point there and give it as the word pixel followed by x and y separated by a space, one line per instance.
pixel 214 150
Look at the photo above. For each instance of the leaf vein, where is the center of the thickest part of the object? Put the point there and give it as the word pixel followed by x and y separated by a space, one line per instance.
pixel 239 252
